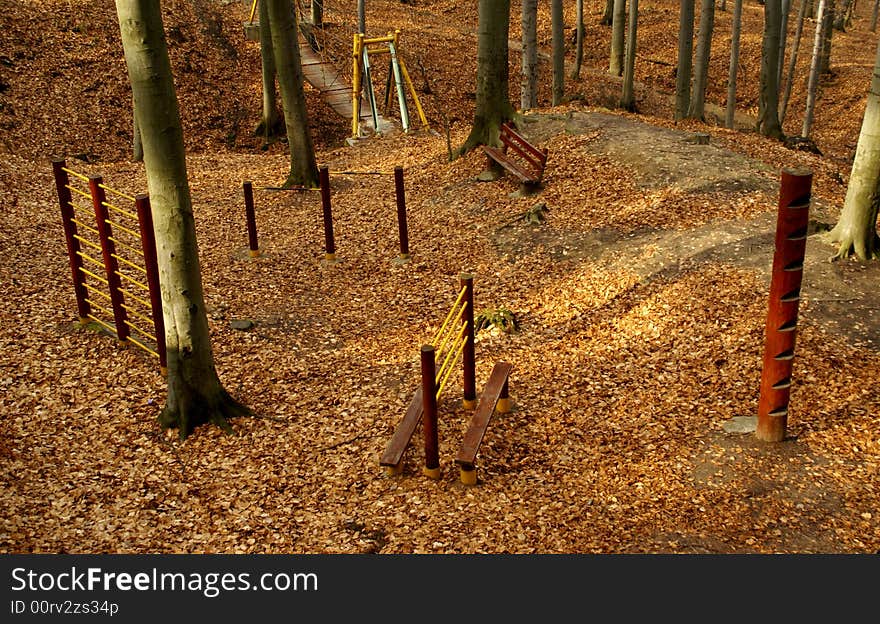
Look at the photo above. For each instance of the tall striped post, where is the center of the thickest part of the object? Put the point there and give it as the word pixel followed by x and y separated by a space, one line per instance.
pixel 151 263
pixel 251 218
pixel 785 288
pixel 108 249
pixel 429 413
pixel 468 356
pixel 401 215
pixel 62 185
pixel 329 242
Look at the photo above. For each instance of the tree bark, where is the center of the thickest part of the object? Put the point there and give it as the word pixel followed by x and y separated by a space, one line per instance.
pixel 628 99
pixel 271 122
pixel 362 17
pixel 840 20
pixel 529 67
pixel 874 13
pixel 730 113
pixel 768 103
pixel 685 62
pixel 137 146
pixel 195 394
pixel 608 13
pixel 285 44
pixel 856 231
pixel 579 39
pixel 813 80
pixel 783 37
pixel 792 61
pixel 701 66
pixel 493 102
pixel 558 50
pixel 618 24
pixel 827 32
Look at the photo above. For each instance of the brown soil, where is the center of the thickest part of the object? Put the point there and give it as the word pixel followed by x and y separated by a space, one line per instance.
pixel 640 300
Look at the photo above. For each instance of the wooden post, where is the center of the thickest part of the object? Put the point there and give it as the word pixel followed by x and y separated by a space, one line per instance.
pixel 62 182
pixel 151 263
pixel 108 248
pixel 401 214
pixel 429 413
pixel 468 358
pixel 785 286
pixel 329 243
pixel 251 219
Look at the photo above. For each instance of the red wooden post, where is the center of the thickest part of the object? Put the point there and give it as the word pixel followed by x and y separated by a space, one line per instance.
pixel 429 413
pixel 251 219
pixel 108 248
pixel 62 182
pixel 329 243
pixel 468 356
pixel 151 263
pixel 401 214
pixel 785 286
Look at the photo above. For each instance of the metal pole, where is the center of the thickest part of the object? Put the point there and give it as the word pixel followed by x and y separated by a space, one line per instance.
pixel 251 219
pixel 329 243
pixel 151 263
pixel 401 214
pixel 785 286
pixel 468 358
pixel 108 248
pixel 429 413
pixel 62 182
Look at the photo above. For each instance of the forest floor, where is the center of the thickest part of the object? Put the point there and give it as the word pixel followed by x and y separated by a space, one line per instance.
pixel 640 299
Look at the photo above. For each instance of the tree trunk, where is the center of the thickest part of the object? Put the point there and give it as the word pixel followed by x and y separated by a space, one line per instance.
pixel 827 32
pixel 285 44
pixel 813 80
pixel 362 17
pixel 608 13
pixel 701 66
pixel 874 13
pixel 783 36
pixel 137 146
pixel 730 113
pixel 618 24
pixel 628 99
pixel 792 61
pixel 271 121
pixel 579 39
pixel 317 13
pixel 840 20
pixel 195 394
pixel 768 103
pixel 856 230
pixel 685 61
pixel 529 79
pixel 558 49
pixel 493 102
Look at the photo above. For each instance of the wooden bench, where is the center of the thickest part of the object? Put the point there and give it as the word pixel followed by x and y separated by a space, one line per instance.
pixel 518 156
pixel 392 458
pixel 494 397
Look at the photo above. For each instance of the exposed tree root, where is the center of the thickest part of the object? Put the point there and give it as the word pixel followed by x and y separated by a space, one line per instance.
pixel 187 410
pixel 847 246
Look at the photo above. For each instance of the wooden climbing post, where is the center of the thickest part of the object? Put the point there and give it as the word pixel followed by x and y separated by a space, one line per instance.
pixel 785 289
pixel 401 213
pixel 111 259
pixel 469 359
pixel 329 242
pixel 151 264
pixel 62 185
pixel 429 413
pixel 251 217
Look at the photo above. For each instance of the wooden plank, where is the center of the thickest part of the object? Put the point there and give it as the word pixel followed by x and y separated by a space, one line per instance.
pixel 512 166
pixel 467 454
pixel 521 140
pixel 404 432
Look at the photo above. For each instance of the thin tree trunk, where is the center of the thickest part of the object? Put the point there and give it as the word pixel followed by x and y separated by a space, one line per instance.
pixel 827 32
pixel 628 100
pixel 282 21
pixel 783 37
pixel 734 64
pixel 608 13
pixel 701 66
pixel 529 67
pixel 685 61
pixel 792 61
pixel 768 104
pixel 840 20
pixel 558 49
pixel 362 17
pixel 579 39
pixel 317 13
pixel 493 104
pixel 813 80
pixel 874 13
pixel 618 24
pixel 856 231
pixel 270 123
pixel 195 394
pixel 137 146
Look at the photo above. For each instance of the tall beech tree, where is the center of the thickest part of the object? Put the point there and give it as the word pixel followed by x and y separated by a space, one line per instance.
pixel 618 26
pixel 856 231
pixel 768 97
pixel 696 110
pixel 195 394
pixel 493 105
pixel 730 112
pixel 283 28
pixel 578 39
pixel 557 28
pixel 685 60
pixel 529 65
pixel 627 96
pixel 271 121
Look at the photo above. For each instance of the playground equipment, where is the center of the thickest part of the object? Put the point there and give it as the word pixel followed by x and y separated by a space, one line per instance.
pixel 128 256
pixel 519 157
pixel 785 288
pixel 397 74
pixel 453 341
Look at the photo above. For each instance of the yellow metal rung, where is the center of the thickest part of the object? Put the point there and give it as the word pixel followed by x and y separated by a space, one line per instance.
pixel 143 346
pixel 97 277
pixel 85 241
pixel 99 307
pixel 136 313
pixel 100 322
pixel 119 243
pixel 130 263
pixel 74 173
pixel 123 228
pixel 77 191
pixel 136 298
pixel 120 193
pixel 126 213
pixel 90 259
pixel 132 280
